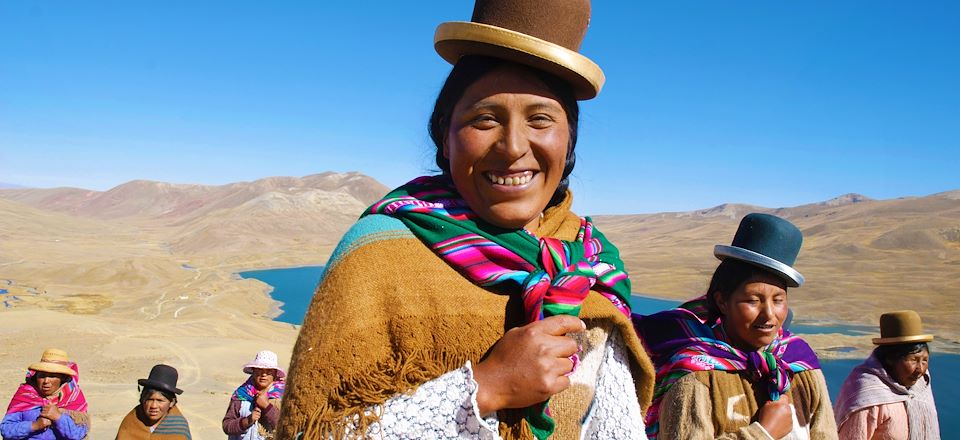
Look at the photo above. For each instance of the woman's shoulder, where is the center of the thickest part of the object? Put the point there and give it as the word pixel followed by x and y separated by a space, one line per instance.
pixel 369 230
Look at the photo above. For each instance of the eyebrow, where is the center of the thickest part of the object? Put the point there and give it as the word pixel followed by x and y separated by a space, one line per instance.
pixel 537 106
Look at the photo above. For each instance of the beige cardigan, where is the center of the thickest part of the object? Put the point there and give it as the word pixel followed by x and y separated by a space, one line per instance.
pixel 722 405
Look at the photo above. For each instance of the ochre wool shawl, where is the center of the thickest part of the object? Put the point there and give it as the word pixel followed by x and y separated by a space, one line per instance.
pixel 389 315
pixel 173 426
pixel 869 384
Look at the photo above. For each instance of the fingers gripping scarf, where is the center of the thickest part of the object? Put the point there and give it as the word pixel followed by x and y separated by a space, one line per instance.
pixel 553 276
pixel 681 341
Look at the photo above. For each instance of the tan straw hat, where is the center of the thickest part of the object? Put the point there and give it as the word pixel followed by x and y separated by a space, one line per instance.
pixel 901 327
pixel 53 360
pixel 543 35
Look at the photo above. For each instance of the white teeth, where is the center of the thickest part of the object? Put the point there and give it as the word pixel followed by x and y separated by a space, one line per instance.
pixel 510 181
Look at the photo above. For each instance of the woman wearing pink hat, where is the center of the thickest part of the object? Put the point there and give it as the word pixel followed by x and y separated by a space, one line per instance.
pixel 49 404
pixel 255 406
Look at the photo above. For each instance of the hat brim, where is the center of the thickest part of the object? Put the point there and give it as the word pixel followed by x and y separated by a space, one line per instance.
pixel 280 373
pixel 789 274
pixel 159 386
pixel 455 39
pixel 51 367
pixel 902 340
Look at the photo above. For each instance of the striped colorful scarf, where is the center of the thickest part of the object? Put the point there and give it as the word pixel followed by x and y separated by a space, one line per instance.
pixel 681 341
pixel 553 276
pixel 68 397
pixel 173 426
pixel 248 392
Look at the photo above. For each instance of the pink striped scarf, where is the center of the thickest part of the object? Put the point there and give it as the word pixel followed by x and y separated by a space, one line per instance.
pixel 68 397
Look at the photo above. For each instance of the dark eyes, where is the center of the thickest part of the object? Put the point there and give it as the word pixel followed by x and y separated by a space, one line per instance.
pixel 484 121
pixel 487 120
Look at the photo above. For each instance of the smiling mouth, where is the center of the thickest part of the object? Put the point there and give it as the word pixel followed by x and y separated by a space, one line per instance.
pixel 512 179
pixel 765 327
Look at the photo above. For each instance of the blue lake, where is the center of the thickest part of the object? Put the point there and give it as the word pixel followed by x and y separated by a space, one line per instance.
pixel 294 287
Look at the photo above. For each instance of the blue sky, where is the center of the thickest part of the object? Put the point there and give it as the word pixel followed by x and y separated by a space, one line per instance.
pixel 768 103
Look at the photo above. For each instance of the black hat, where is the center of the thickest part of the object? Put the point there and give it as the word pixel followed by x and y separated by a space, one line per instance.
pixel 162 377
pixel 767 241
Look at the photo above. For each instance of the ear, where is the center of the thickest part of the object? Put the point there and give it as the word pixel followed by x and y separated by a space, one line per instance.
pixel 721 303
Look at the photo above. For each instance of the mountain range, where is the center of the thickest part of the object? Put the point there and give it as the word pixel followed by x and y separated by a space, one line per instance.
pixel 860 256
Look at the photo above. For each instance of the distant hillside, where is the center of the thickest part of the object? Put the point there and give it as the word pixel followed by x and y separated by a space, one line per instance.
pixel 860 256
pixel 4 185
pixel 274 213
pixel 179 203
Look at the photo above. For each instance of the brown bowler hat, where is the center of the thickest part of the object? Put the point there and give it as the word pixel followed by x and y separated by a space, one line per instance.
pixel 901 327
pixel 543 35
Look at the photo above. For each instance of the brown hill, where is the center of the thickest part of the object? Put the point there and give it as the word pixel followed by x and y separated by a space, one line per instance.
pixel 861 257
pixel 169 203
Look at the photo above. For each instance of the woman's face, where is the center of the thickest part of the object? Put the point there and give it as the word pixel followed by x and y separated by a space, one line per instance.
pixel 910 368
pixel 156 406
pixel 263 377
pixel 754 313
pixel 48 383
pixel 507 146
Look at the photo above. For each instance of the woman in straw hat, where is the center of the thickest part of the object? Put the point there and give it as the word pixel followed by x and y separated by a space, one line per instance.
pixel 474 303
pixel 888 396
pixel 157 417
pixel 49 404
pixel 726 367
pixel 255 406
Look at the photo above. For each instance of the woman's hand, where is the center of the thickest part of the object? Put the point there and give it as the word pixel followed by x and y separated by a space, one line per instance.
pixel 40 424
pixel 252 418
pixel 262 402
pixel 50 412
pixel 527 365
pixel 776 417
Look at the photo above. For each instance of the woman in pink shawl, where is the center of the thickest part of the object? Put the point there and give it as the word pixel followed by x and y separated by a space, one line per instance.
pixel 889 395
pixel 49 404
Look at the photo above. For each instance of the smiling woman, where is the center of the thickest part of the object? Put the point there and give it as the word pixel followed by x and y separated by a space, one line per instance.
pixel 475 304
pixel 507 140
pixel 728 349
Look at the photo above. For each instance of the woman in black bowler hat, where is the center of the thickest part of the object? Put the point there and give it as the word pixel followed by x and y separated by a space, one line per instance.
pixel 726 367
pixel 157 416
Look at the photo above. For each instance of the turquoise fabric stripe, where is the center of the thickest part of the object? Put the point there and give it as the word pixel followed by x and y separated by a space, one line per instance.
pixel 369 229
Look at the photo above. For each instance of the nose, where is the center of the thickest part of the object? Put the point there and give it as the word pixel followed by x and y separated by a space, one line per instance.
pixel 515 142
pixel 766 310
